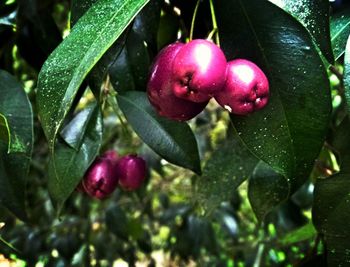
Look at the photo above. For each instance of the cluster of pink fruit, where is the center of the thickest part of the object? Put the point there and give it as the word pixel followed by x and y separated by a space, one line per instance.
pixel 108 171
pixel 184 77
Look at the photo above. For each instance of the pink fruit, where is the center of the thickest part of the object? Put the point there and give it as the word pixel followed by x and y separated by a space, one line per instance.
pixel 101 179
pixel 198 71
pixel 159 88
pixel 131 172
pixel 246 88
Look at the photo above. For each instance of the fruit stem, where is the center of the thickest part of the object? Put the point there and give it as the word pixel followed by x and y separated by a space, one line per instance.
pixel 194 19
pixel 111 100
pixel 210 36
pixel 215 25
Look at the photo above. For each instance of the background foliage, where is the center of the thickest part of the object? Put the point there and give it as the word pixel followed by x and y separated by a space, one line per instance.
pixel 269 189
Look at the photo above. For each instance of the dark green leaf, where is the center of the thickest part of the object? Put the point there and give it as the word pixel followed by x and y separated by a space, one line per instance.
pixel 120 73
pixel 117 222
pixel 305 232
pixel 172 140
pixel 99 71
pixel 168 28
pixel 67 165
pixel 68 65
pixel 15 153
pixel 37 32
pixel 229 165
pixel 288 134
pixel 347 73
pixel 146 23
pixel 266 190
pixel 130 70
pixel 139 60
pixel 74 132
pixel 340 143
pixel 332 203
pixel 314 15
pixel 79 8
pixel 196 233
pixel 340 30
pixel 4 130
pixel 330 216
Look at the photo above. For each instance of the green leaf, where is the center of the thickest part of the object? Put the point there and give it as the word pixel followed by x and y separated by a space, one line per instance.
pixel 66 68
pixel 347 73
pixel 174 141
pixel 120 72
pixel 117 222
pixel 147 22
pixel 289 132
pixel 79 8
pixel 131 69
pixel 37 34
pixel 340 30
pixel 5 131
pixel 67 165
pixel 139 60
pixel 330 211
pixel 314 15
pixel 15 152
pixel 99 71
pixel 330 216
pixel 168 28
pixel 74 133
pixel 229 165
pixel 303 233
pixel 267 189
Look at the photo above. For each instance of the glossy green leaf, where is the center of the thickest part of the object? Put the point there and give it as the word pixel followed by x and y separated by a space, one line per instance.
pixel 330 216
pixel 267 189
pixel 347 73
pixel 289 132
pixel 146 23
pixel 340 30
pixel 229 165
pixel 131 69
pixel 314 15
pixel 303 233
pixel 4 130
pixel 79 8
pixel 332 203
pixel 74 133
pixel 120 73
pixel 100 70
pixel 139 59
pixel 98 73
pixel 174 141
pixel 67 165
pixel 68 65
pixel 16 151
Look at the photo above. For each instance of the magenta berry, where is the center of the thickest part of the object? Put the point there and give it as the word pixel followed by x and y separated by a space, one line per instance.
pixel 198 71
pixel 101 179
pixel 246 88
pixel 131 172
pixel 159 88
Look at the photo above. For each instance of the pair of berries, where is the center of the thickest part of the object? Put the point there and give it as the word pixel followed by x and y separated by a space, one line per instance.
pixel 108 170
pixel 185 76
